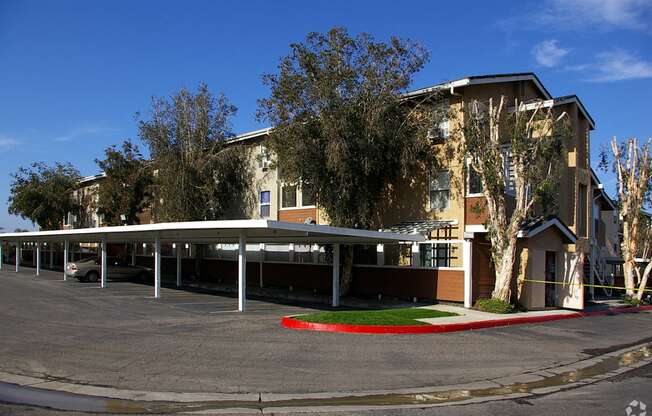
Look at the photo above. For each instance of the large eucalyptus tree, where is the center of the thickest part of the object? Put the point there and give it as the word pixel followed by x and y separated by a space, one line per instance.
pixel 198 174
pixel 341 127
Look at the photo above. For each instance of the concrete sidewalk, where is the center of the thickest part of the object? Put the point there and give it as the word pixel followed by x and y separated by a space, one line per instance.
pixel 465 315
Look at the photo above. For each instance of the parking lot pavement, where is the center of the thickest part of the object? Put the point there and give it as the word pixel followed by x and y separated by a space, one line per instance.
pixel 195 342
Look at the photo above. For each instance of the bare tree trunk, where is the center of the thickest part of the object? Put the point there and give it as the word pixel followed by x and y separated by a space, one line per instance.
pixel 346 279
pixel 643 285
pixel 504 272
pixel 629 274
pixel 523 262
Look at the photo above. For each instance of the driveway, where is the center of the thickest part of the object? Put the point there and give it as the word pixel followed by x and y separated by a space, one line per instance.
pixel 196 342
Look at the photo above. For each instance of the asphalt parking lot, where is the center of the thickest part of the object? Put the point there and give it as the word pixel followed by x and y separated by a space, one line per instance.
pixel 186 341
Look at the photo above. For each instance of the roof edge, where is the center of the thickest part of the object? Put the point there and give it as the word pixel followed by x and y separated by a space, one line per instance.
pixel 554 221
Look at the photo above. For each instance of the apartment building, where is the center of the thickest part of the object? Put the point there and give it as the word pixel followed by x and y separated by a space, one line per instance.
pixel 85 196
pixel 565 250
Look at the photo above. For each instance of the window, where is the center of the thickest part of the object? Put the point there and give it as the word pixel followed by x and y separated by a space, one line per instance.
pixel 582 211
pixel 508 169
pixel 307 197
pixel 435 255
pixel 474 184
pixel 265 158
pixel 289 196
pixel 265 204
pixel 442 129
pixel 440 190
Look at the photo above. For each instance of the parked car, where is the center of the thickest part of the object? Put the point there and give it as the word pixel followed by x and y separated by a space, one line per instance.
pixel 89 270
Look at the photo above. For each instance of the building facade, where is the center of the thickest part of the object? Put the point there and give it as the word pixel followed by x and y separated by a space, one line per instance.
pixel 555 255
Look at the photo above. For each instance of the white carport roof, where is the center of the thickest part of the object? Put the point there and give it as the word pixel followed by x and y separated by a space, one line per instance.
pixel 241 231
pixel 256 231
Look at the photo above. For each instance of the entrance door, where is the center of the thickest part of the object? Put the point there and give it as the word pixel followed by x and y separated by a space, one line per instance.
pixel 551 278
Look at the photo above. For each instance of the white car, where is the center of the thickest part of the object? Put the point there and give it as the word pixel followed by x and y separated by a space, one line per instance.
pixel 88 270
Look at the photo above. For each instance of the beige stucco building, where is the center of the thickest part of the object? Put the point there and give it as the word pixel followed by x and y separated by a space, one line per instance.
pixel 556 255
pixel 568 249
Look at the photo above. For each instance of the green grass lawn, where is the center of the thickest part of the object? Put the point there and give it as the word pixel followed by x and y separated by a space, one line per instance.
pixel 405 316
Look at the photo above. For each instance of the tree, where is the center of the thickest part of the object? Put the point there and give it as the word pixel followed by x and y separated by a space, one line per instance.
pixel 42 193
pixel 633 166
pixel 524 140
pixel 341 128
pixel 125 190
pixel 198 174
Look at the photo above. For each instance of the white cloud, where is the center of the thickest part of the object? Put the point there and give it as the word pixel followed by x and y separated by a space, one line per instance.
pixel 616 65
pixel 548 53
pixel 8 142
pixel 84 131
pixel 600 14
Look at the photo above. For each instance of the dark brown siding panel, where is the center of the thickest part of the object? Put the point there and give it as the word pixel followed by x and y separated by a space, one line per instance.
pixel 300 276
pixel 404 283
pixel 407 283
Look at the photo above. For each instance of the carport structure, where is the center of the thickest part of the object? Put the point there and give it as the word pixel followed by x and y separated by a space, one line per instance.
pixel 242 232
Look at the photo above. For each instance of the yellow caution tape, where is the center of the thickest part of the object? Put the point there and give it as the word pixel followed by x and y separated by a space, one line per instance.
pixel 582 284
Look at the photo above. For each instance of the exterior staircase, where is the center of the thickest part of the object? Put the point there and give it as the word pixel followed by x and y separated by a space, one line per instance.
pixel 598 273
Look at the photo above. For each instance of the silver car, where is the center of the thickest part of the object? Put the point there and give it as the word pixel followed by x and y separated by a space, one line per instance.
pixel 89 270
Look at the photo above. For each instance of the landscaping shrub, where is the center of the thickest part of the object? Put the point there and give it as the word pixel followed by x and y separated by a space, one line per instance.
pixel 635 302
pixel 493 306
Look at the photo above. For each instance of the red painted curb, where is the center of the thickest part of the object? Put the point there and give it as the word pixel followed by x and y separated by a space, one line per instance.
pixel 292 323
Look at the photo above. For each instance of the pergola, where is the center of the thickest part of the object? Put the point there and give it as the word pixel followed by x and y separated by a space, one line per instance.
pixel 207 232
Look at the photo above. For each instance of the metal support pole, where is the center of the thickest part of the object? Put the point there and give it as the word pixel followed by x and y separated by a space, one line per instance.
pixel 38 258
pixel 103 265
pixel 157 268
pixel 1 258
pixel 380 254
pixel 133 254
pixel 178 250
pixel 291 252
pixel 261 249
pixel 17 256
pixel 336 275
pixel 315 253
pixel 66 253
pixel 416 256
pixel 242 272
pixel 468 272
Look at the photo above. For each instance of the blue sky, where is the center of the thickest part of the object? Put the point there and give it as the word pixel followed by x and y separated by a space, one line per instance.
pixel 74 73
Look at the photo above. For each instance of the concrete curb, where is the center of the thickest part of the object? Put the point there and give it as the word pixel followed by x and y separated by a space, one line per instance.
pixel 291 322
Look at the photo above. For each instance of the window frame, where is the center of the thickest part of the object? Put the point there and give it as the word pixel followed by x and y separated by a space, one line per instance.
pixel 468 193
pixel 508 170
pixel 439 190
pixel 267 204
pixel 265 160
pixel 582 211
pixel 296 197
pixel 303 205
